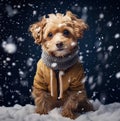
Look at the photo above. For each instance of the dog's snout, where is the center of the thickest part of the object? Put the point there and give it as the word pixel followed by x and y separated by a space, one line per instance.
pixel 59 45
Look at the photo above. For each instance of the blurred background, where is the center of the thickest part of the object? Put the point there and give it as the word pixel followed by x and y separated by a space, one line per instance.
pixel 99 49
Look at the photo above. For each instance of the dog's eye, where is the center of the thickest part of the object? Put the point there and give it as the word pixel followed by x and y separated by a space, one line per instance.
pixel 50 35
pixel 66 32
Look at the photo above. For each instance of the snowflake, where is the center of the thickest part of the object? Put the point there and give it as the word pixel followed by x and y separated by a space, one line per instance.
pixel 29 61
pixel 118 75
pixel 109 24
pixel 9 73
pixel 9 47
pixel 53 65
pixel 110 48
pixel 34 12
pixel 117 35
pixel 101 15
pixel 11 12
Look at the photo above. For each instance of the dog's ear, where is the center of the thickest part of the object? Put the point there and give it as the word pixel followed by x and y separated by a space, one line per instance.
pixel 79 25
pixel 36 30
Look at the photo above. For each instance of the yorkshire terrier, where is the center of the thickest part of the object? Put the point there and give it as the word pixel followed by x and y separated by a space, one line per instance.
pixel 58 79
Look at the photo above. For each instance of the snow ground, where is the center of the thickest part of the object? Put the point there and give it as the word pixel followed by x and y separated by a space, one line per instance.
pixel 109 112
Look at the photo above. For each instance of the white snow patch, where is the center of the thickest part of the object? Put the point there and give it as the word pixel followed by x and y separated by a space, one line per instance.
pixel 99 49
pixel 22 74
pixel 9 47
pixel 13 64
pixel 110 48
pixel 29 61
pixel 90 80
pixel 84 13
pixel 117 35
pixel 109 24
pixel 118 75
pixel 84 79
pixel 79 92
pixel 9 73
pixel 8 59
pixel 73 44
pixel 101 15
pixel 34 12
pixel 10 11
pixel 81 58
pixel 24 83
pixel 61 73
pixel 27 113
pixel 20 39
pixel 92 86
pixel 53 65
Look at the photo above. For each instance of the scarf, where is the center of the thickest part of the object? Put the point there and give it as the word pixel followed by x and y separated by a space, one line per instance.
pixel 60 63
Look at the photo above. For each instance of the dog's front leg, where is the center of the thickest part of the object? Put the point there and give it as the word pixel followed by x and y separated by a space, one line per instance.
pixel 43 101
pixel 70 106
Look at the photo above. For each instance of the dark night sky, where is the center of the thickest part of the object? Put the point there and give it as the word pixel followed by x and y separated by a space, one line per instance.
pixel 99 49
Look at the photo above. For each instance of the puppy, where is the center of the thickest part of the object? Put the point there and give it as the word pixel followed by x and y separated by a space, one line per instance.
pixel 58 79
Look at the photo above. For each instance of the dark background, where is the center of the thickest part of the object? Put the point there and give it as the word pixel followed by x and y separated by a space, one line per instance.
pixel 99 49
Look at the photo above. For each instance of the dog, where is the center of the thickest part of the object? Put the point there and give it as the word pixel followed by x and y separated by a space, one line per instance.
pixel 59 75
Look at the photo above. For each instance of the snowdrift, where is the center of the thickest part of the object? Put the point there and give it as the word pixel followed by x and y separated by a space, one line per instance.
pixel 109 112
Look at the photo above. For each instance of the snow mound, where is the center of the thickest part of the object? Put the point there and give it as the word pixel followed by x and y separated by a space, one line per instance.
pixel 109 112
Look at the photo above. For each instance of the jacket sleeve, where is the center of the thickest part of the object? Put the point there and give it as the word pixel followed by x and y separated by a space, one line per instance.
pixel 76 83
pixel 39 82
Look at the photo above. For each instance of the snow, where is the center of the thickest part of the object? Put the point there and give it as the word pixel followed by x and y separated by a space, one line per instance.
pixel 73 44
pixel 9 47
pixel 8 59
pixel 84 13
pixel 117 35
pixel 26 113
pixel 30 61
pixel 20 39
pixel 34 12
pixel 110 48
pixel 53 65
pixel 101 15
pixel 10 11
pixel 118 75
pixel 109 24
pixel 9 73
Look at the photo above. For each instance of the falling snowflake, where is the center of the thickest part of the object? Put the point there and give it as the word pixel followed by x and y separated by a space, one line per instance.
pixel 34 12
pixel 22 74
pixel 11 12
pixel 101 15
pixel 90 80
pixel 53 65
pixel 8 59
pixel 29 61
pixel 117 35
pixel 9 73
pixel 110 48
pixel 118 75
pixel 9 47
pixel 20 39
pixel 24 83
pixel 109 24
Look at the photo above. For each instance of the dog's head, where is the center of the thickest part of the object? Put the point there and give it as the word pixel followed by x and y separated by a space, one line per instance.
pixel 58 34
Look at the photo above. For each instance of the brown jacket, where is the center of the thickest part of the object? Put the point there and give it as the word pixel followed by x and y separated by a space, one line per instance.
pixel 69 80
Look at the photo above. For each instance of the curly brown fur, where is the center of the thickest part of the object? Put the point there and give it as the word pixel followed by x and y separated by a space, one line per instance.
pixel 76 103
pixel 43 101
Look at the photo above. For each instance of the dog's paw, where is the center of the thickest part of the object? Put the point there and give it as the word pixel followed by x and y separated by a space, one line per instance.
pixel 68 113
pixel 44 108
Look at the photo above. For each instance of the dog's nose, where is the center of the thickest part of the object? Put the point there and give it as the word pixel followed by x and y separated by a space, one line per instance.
pixel 59 45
